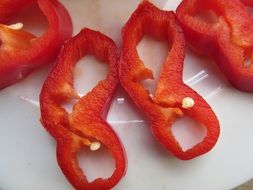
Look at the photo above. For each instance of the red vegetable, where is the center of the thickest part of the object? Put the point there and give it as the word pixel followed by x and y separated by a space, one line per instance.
pixel 227 36
pixel 21 52
pixel 9 7
pixel 172 99
pixel 84 127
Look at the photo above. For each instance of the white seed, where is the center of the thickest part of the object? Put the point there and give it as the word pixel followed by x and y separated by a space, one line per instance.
pixel 187 102
pixel 95 146
pixel 17 26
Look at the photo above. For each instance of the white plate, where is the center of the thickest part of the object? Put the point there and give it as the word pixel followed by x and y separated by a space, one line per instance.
pixel 28 161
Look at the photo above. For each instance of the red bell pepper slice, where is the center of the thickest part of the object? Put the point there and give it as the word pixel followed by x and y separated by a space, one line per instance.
pixel 8 8
pixel 172 99
pixel 228 38
pixel 20 51
pixel 84 127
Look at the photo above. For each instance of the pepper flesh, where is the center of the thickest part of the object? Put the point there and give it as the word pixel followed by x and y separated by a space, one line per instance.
pixel 9 7
pixel 228 38
pixel 85 124
pixel 20 51
pixel 166 106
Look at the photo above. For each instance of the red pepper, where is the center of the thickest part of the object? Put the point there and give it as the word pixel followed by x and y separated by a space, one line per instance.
pixel 228 38
pixel 172 99
pixel 84 127
pixel 9 7
pixel 21 52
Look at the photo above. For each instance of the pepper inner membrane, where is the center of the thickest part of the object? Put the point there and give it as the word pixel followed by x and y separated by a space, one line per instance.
pixel 14 40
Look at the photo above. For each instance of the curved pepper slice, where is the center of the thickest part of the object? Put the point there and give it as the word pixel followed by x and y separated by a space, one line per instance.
pixel 9 7
pixel 172 99
pixel 227 36
pixel 84 127
pixel 21 52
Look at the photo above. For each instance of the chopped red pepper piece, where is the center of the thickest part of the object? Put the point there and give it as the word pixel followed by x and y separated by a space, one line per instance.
pixel 84 127
pixel 172 99
pixel 21 52
pixel 227 36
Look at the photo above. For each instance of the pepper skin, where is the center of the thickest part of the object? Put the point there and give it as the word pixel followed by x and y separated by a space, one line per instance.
pixel 84 127
pixel 166 106
pixel 228 38
pixel 21 52
pixel 8 8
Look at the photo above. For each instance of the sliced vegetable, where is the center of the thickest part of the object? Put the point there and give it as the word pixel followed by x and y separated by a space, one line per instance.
pixel 20 51
pixel 222 29
pixel 84 127
pixel 172 99
pixel 8 8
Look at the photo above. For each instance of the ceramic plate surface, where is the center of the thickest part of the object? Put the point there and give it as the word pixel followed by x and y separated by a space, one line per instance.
pixel 27 152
